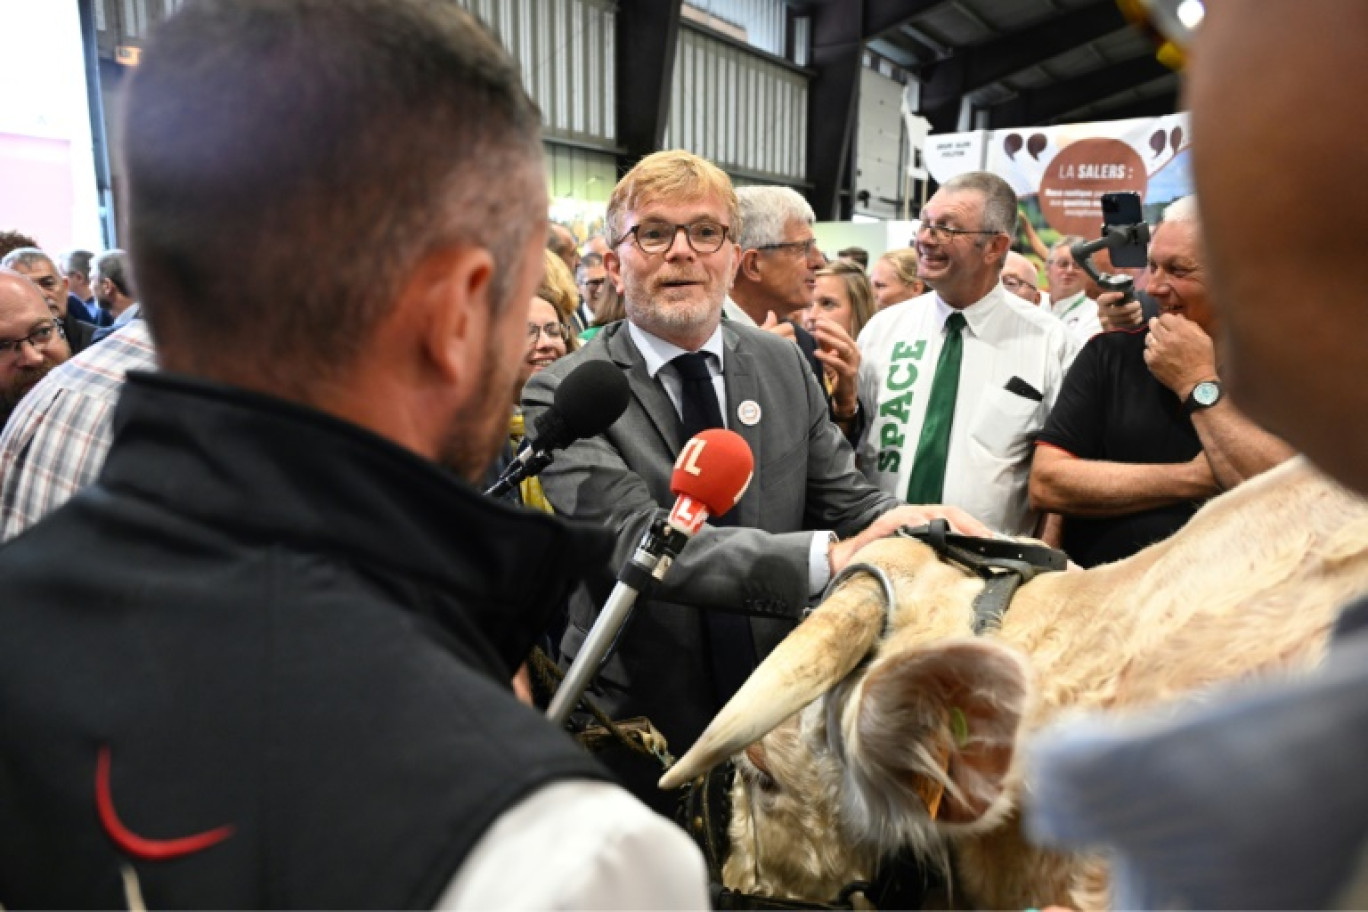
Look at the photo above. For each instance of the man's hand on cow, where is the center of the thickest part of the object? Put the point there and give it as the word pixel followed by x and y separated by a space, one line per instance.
pixel 906 515
pixel 841 357
pixel 782 328
pixel 1114 315
pixel 1179 354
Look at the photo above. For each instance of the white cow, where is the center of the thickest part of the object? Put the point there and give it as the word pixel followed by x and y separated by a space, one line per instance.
pixel 846 763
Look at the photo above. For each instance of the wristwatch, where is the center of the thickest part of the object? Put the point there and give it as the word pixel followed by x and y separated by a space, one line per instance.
pixel 1203 396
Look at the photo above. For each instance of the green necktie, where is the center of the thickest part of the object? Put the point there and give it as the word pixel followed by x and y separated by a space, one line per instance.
pixel 927 484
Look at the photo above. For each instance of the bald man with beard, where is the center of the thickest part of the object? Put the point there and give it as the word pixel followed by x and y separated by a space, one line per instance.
pixel 31 340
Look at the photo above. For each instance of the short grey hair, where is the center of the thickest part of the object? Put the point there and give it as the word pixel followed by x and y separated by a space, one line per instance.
pixel 77 262
pixel 766 212
pixel 999 200
pixel 27 258
pixel 1183 209
pixel 1068 241
pixel 113 265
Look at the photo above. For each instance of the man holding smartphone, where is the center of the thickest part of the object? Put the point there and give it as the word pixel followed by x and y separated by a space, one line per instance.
pixel 1143 434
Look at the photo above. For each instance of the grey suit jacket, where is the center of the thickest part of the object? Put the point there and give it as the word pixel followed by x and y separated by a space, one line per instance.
pixel 805 479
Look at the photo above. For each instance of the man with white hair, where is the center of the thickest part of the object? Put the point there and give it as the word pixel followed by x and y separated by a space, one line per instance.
pixel 31 340
pixel 776 279
pixel 1257 798
pixel 1143 432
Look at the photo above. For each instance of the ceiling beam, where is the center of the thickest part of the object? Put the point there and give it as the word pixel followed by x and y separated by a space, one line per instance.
pixel 978 66
pixel 1124 108
pixel 647 35
pixel 1038 106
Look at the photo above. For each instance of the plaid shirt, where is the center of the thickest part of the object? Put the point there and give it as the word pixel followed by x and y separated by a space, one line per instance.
pixel 55 441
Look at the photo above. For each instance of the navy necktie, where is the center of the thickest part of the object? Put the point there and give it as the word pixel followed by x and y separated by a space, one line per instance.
pixel 731 646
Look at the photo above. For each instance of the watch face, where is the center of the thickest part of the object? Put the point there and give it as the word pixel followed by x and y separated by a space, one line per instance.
pixel 1206 393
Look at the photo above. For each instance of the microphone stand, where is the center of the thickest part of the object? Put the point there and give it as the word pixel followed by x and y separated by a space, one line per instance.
pixel 655 553
pixel 530 467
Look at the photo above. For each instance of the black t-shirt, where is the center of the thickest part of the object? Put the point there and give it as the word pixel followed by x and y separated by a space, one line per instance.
pixel 1111 408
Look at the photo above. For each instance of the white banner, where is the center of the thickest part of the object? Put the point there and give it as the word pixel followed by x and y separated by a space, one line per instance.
pixel 1060 173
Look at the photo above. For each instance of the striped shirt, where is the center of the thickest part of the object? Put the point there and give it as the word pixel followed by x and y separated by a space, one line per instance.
pixel 55 441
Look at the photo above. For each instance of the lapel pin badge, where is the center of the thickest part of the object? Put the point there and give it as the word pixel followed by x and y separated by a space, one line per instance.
pixel 749 412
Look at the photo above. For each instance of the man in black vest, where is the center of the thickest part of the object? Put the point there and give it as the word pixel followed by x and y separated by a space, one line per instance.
pixel 282 677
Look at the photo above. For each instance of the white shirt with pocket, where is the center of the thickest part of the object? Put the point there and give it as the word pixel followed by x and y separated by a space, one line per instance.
pixel 1014 359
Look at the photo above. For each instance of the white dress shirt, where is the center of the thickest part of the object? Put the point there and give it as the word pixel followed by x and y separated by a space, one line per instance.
pixel 657 353
pixel 733 311
pixel 993 434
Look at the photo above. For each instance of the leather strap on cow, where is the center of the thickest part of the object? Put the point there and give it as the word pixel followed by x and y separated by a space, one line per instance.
pixel 1004 564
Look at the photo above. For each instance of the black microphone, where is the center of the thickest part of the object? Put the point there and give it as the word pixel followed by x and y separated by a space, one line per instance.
pixel 587 402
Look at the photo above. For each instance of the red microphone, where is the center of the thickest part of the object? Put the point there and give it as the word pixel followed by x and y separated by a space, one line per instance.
pixel 711 474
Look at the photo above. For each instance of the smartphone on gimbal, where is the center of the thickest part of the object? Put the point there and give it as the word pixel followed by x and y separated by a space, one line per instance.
pixel 1123 209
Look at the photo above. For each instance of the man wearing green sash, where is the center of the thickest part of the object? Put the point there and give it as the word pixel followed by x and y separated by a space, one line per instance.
pixel 958 382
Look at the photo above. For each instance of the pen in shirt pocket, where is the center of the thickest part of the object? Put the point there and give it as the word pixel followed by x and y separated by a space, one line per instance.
pixel 1025 390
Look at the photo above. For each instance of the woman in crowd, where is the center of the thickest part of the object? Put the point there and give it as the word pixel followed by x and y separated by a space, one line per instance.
pixel 548 340
pixel 844 296
pixel 610 310
pixel 894 278
pixel 845 299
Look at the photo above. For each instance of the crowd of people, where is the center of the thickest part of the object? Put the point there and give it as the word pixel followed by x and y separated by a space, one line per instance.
pixel 263 631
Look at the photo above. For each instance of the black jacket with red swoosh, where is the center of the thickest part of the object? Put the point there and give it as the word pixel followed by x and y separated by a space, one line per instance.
pixel 279 678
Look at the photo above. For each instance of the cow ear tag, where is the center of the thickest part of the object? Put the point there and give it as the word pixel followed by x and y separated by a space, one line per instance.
pixel 959 726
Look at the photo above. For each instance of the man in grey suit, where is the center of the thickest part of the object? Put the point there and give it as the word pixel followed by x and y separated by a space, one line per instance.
pixel 670 224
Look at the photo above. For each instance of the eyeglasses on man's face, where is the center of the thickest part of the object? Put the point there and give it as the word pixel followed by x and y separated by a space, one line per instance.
pixel 657 235
pixel 40 339
pixel 1012 283
pixel 551 330
pixel 942 233
pixel 802 248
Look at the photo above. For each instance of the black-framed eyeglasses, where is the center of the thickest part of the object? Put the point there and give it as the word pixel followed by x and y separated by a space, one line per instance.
pixel 803 248
pixel 657 235
pixel 552 330
pixel 1012 283
pixel 40 339
pixel 941 233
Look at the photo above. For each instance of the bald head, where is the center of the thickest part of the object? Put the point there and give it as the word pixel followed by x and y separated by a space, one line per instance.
pixel 31 341
pixel 1019 276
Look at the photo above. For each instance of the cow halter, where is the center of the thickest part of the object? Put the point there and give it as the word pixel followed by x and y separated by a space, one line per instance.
pixel 1002 563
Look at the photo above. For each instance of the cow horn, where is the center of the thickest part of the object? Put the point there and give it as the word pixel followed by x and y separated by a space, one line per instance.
pixel 810 661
